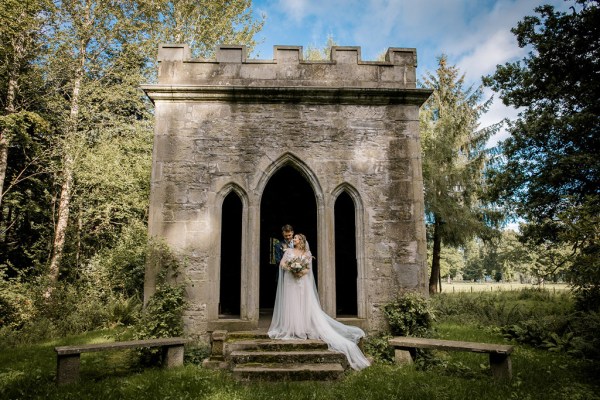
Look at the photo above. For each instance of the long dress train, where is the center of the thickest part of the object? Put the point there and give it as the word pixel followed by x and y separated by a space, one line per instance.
pixel 298 315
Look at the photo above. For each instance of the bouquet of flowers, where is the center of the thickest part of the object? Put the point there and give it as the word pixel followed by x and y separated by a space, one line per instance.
pixel 296 265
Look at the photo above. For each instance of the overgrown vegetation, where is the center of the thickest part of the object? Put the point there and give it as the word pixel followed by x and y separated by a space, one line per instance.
pixel 76 148
pixel 410 314
pixel 534 317
pixel 105 295
pixel 27 371
pixel 548 171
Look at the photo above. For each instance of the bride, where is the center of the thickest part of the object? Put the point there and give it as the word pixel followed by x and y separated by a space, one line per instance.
pixel 297 313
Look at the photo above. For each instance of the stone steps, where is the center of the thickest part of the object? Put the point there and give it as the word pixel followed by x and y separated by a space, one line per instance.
pixel 274 345
pixel 291 372
pixel 254 356
pixel 287 357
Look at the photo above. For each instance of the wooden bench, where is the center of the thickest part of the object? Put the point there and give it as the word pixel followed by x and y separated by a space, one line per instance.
pixel 67 361
pixel 499 354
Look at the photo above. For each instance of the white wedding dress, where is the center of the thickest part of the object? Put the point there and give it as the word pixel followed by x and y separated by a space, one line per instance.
pixel 298 315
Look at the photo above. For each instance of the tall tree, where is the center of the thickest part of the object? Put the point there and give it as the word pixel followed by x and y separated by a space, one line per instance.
pixel 102 51
pixel 204 23
pixel 454 159
pixel 550 170
pixel 88 34
pixel 21 38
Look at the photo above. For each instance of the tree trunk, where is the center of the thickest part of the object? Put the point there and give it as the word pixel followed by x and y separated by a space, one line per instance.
pixel 63 219
pixel 66 188
pixel 10 108
pixel 435 259
pixel 3 161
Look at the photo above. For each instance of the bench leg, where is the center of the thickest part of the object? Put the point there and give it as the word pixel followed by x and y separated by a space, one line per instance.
pixel 67 368
pixel 501 366
pixel 402 356
pixel 172 356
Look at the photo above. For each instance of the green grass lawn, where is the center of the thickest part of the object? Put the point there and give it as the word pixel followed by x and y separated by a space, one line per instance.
pixel 28 371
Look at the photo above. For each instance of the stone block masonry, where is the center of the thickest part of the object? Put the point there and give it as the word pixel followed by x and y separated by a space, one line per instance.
pixel 230 124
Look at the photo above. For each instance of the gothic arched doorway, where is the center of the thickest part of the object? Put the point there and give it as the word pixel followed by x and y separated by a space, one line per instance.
pixel 231 257
pixel 346 269
pixel 287 199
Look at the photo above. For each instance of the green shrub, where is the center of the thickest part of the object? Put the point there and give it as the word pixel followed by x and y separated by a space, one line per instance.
pixel 16 306
pixel 410 314
pixel 537 332
pixel 123 310
pixel 537 294
pixel 586 332
pixel 121 268
pixel 195 353
pixel 163 314
pixel 377 346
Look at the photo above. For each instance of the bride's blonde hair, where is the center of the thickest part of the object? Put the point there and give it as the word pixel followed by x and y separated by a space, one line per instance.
pixel 301 236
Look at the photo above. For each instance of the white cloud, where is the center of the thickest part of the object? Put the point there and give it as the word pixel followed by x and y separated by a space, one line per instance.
pixel 475 35
pixel 496 49
pixel 496 113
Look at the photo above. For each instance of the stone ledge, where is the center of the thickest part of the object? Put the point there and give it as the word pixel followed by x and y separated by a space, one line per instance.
pixel 295 94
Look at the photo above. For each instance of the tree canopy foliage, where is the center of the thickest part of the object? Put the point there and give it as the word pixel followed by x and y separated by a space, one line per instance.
pixel 454 158
pixel 549 172
pixel 76 129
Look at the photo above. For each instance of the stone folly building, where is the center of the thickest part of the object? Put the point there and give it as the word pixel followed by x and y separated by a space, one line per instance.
pixel 244 146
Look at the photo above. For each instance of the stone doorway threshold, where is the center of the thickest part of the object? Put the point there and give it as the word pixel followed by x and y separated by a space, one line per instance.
pixel 264 318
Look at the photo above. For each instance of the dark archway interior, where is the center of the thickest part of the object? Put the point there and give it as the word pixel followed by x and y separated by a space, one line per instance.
pixel 346 271
pixel 231 257
pixel 287 199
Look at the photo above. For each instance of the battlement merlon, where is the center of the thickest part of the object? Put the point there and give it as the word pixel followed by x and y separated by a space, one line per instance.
pixel 231 67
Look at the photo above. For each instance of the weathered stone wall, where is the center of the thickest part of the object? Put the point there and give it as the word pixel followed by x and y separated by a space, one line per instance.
pixel 230 124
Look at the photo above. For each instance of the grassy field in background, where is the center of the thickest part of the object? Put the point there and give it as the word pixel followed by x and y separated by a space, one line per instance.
pixel 456 287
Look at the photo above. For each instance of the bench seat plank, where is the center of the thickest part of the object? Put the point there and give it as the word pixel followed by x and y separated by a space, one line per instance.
pixel 499 354
pixel 84 348
pixel 450 345
pixel 68 357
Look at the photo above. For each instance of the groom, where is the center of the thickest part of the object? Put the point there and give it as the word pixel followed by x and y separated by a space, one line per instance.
pixel 287 243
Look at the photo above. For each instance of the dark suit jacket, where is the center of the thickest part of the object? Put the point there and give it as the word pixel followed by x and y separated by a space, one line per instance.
pixel 279 250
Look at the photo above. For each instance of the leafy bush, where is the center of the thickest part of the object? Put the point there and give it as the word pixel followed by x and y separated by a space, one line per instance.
pixel 377 346
pixel 73 307
pixel 124 310
pixel 410 314
pixel 196 353
pixel 586 334
pixel 537 294
pixel 16 307
pixel 535 317
pixel 538 332
pixel 121 268
pixel 163 314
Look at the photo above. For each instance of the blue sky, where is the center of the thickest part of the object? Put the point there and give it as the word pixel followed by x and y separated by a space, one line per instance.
pixel 475 35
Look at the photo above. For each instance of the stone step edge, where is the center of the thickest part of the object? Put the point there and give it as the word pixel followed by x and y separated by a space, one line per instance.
pixel 252 352
pixel 260 368
pixel 273 345
pixel 278 342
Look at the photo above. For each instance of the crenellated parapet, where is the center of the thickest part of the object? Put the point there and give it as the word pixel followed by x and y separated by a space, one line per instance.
pixel 231 75
pixel 345 66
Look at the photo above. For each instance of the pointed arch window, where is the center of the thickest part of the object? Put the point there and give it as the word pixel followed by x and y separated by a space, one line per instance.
pixel 231 257
pixel 346 265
